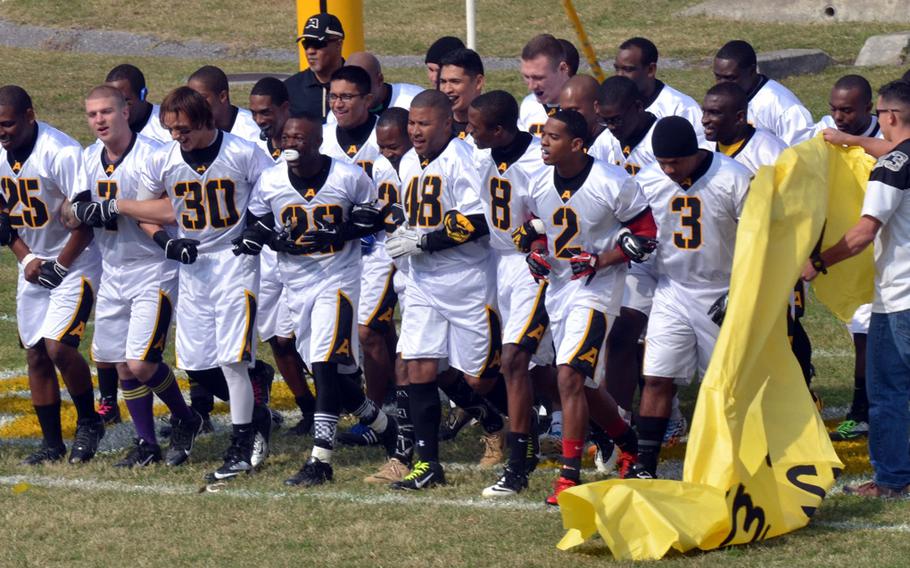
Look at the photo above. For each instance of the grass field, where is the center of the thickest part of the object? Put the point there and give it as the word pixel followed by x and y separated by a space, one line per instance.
pixel 96 515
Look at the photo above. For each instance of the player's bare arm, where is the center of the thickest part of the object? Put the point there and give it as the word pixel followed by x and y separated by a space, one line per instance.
pixel 854 241
pixel 875 147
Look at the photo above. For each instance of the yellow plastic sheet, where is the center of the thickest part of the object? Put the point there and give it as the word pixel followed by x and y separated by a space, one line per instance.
pixel 759 460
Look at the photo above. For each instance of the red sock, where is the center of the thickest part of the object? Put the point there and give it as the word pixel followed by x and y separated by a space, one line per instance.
pixel 616 428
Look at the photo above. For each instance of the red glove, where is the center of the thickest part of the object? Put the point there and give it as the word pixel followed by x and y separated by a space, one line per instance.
pixel 583 265
pixel 539 265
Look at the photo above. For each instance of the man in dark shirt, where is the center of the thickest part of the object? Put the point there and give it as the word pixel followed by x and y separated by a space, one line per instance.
pixel 308 90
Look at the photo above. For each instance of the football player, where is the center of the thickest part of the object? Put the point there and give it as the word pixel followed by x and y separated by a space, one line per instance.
pixel 637 60
pixel 697 197
pixel 320 205
pixel 439 49
pixel 595 221
pixel 580 94
pixel 130 81
pixel 385 95
pixel 269 106
pixel 545 71
pixel 211 82
pixel 41 170
pixel 138 285
pixel 771 105
pixel 506 174
pixel 570 56
pixel 448 312
pixel 208 175
pixel 461 79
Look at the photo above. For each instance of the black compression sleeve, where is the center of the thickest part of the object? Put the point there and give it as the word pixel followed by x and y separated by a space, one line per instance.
pixel 440 240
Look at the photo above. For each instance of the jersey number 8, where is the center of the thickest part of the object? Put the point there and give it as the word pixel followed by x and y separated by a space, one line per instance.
pixel 500 200
pixel 423 204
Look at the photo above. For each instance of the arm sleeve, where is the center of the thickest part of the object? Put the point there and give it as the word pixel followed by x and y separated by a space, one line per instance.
pixel 257 205
pixel 445 238
pixel 795 124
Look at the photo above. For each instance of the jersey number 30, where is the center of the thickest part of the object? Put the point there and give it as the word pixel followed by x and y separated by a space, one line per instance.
pixel 213 206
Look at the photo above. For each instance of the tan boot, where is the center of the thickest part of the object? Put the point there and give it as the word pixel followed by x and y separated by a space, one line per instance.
pixel 493 445
pixel 391 471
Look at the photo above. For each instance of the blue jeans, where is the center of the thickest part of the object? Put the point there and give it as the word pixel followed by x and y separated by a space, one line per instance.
pixel 888 387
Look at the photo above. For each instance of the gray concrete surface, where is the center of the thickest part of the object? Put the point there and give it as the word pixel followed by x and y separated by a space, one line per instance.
pixel 888 49
pixel 804 11
pixel 786 62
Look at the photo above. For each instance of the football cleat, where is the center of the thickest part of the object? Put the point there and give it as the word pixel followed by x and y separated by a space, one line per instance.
pixel 141 455
pixel 638 471
pixel 872 489
pixel 45 454
pixel 236 459
pixel 313 472
pixel 605 455
pixel 89 432
pixel 510 483
pixel 359 435
pixel 108 410
pixel 277 419
pixel 677 432
pixel 183 438
pixel 850 430
pixel 390 472
pixel 262 423
pixel 456 419
pixel 624 463
pixel 304 426
pixel 492 448
pixel 423 476
pixel 560 485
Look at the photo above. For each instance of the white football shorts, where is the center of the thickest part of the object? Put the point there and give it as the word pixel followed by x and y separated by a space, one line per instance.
pixel 273 318
pixel 324 316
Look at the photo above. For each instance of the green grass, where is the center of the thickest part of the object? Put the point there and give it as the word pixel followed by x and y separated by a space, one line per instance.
pixel 349 523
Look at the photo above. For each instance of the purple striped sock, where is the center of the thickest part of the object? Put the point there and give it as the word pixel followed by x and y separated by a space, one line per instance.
pixel 138 398
pixel 164 384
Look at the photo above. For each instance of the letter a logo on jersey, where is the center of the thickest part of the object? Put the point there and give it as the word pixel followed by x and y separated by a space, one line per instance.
pixel 590 356
pixel 537 332
pixel 344 348
pixel 79 330
pixel 309 194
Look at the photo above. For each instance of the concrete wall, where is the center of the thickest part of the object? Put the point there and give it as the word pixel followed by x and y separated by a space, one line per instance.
pixel 805 11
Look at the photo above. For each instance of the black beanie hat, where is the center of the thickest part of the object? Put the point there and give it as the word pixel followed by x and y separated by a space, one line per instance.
pixel 442 47
pixel 674 137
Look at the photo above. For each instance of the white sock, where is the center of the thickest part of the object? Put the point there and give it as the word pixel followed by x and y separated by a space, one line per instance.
pixel 238 381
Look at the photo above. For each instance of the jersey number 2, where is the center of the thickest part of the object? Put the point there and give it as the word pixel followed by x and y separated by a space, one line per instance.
pixel 567 218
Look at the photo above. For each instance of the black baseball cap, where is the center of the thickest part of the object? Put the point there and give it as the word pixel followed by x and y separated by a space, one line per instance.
pixel 322 27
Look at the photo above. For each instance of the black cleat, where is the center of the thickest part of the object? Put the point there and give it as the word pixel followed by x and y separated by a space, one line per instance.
pixel 277 419
pixel 108 410
pixel 304 426
pixel 313 472
pixel 89 432
pixel 638 471
pixel 262 424
pixel 183 438
pixel 261 375
pixel 359 435
pixel 44 455
pixel 511 483
pixel 423 475
pixel 141 455
pixel 456 419
pixel 236 460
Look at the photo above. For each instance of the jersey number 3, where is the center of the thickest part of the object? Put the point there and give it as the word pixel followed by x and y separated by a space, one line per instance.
pixel 689 209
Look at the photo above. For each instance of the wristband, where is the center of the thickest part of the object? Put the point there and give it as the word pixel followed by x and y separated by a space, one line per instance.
pixel 27 259
pixel 819 265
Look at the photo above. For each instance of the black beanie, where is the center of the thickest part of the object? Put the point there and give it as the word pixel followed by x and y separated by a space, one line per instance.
pixel 674 137
pixel 442 47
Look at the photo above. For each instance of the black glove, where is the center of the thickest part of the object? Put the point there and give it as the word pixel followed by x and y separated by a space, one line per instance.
pixel 51 274
pixel 367 216
pixel 322 238
pixel 7 233
pixel 252 239
pixel 718 309
pixel 88 213
pixel 527 233
pixel 636 247
pixel 539 265
pixel 181 250
pixel 284 242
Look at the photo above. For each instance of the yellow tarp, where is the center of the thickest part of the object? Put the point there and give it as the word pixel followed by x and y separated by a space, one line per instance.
pixel 759 460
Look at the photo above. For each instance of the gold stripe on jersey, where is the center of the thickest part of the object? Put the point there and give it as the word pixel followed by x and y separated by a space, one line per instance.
pixel 536 326
pixel 584 360
pixel 340 351
pixel 494 353
pixel 246 350
pixel 381 318
pixel 155 348
pixel 74 331
pixel 731 149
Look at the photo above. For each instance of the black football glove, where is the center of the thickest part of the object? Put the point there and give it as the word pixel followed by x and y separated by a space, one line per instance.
pixel 324 237
pixel 636 247
pixel 525 235
pixel 539 265
pixel 51 274
pixel 252 239
pixel 367 216
pixel 88 213
pixel 181 250
pixel 718 309
pixel 7 233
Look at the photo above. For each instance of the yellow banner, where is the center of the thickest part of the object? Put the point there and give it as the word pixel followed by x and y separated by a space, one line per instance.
pixel 759 460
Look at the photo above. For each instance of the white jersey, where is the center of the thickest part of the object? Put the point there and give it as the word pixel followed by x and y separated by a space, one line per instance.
pixel 532 115
pixel 872 131
pixel 123 241
pixel 585 214
pixel 447 183
pixel 273 152
pixel 298 204
pixel 760 148
pixel 209 188
pixel 337 146
pixel 670 102
pixel 632 156
pixel 153 128
pixel 696 225
pixel 245 127
pixel 505 190
pixel 774 107
pixel 403 94
pixel 35 185
pixel 388 191
pixel 888 200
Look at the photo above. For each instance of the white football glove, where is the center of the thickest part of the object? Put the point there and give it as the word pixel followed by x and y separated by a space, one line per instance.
pixel 404 242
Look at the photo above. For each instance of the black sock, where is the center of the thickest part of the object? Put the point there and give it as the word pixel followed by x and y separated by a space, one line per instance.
pixel 859 407
pixel 518 450
pixel 498 396
pixel 350 390
pixel 212 381
pixel 328 405
pixel 306 404
pixel 49 419
pixel 85 405
pixel 628 442
pixel 461 393
pixel 650 435
pixel 404 448
pixel 425 414
pixel 107 382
